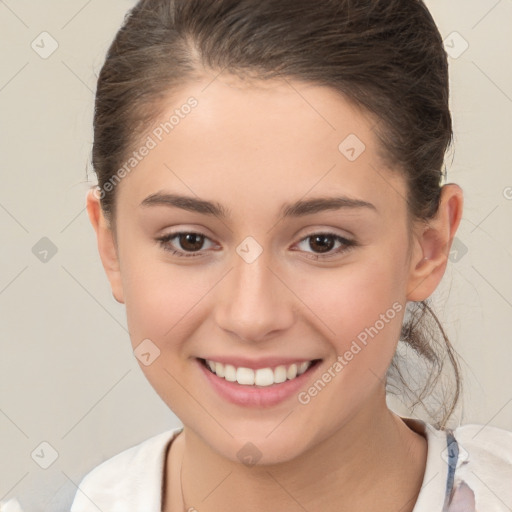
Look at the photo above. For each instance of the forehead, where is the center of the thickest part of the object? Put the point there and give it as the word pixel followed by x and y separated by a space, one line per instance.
pixel 243 140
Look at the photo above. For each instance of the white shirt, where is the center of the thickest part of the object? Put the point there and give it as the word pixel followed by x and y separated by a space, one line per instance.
pixel 468 469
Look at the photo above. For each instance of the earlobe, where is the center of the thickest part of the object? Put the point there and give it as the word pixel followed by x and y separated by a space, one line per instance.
pixel 107 247
pixel 433 243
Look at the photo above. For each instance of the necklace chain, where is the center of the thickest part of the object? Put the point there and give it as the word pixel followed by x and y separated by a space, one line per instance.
pixel 181 482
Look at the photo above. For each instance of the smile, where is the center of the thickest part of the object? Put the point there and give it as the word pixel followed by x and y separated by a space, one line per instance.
pixel 260 376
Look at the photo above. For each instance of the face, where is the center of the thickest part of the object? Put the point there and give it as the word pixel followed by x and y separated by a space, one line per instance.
pixel 301 256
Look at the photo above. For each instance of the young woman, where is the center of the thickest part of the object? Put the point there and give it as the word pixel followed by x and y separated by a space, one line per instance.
pixel 271 210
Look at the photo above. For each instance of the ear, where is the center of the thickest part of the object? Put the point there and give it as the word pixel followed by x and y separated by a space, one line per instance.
pixel 107 246
pixel 432 243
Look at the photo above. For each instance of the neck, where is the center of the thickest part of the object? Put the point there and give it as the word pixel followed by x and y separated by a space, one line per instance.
pixel 374 460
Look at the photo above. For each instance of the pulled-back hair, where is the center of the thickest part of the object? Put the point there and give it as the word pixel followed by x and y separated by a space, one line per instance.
pixel 385 56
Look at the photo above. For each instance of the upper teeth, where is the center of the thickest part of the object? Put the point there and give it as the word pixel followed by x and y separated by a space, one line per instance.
pixel 259 377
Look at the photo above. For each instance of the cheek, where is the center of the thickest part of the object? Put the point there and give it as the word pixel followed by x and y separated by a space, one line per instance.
pixel 353 297
pixel 360 309
pixel 160 297
pixel 360 312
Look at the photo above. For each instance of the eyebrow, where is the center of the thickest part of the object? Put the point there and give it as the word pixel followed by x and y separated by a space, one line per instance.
pixel 191 204
pixel 298 209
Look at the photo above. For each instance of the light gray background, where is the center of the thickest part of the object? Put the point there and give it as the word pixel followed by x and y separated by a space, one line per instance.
pixel 68 375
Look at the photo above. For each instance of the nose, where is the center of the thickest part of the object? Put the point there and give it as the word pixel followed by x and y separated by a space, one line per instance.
pixel 254 303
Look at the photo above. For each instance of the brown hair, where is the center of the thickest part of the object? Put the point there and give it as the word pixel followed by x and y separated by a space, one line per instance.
pixel 386 56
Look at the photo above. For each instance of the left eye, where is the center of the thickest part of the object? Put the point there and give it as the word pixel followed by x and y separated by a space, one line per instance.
pixel 324 243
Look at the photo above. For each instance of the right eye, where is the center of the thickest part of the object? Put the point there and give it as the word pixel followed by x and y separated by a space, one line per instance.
pixel 191 243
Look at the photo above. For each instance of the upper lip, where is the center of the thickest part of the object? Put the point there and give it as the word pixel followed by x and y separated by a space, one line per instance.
pixel 262 362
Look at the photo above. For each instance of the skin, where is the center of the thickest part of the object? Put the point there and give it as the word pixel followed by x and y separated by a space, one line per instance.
pixel 345 450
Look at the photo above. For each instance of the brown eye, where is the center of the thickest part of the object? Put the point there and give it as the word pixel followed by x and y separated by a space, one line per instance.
pixel 191 241
pixel 185 243
pixel 321 243
pixel 325 245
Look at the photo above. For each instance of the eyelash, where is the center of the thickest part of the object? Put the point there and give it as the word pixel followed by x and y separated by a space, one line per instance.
pixel 164 242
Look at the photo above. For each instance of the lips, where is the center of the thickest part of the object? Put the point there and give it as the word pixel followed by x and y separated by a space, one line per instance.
pixel 258 386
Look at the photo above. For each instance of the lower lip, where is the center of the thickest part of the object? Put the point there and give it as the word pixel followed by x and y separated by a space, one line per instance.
pixel 254 396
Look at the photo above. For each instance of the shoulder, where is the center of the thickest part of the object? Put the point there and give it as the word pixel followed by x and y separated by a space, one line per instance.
pixel 127 480
pixel 484 466
pixel 487 444
pixel 468 468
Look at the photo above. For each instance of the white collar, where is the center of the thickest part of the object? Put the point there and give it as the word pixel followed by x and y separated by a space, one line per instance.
pixel 133 480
